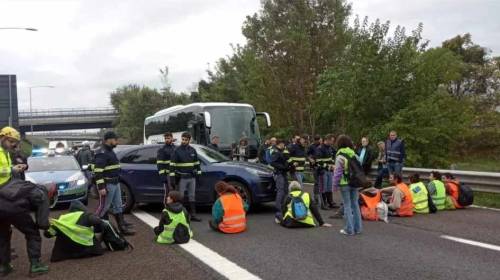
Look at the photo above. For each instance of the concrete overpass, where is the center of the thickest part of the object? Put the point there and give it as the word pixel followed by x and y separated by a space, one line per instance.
pixel 66 119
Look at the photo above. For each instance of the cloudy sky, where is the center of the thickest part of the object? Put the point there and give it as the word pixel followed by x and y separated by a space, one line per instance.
pixel 86 48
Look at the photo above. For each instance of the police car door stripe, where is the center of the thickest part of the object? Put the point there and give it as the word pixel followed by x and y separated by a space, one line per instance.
pixel 220 264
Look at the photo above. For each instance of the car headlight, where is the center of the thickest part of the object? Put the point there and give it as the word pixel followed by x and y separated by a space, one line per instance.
pixel 81 182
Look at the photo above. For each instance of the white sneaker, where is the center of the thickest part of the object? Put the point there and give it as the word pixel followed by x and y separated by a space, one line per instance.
pixel 276 220
pixel 344 232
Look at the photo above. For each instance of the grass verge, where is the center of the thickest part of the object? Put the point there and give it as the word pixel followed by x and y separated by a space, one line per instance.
pixel 487 199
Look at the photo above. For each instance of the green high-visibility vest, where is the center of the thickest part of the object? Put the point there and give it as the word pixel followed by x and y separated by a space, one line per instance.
pixel 420 198
pixel 439 197
pixel 307 201
pixel 5 166
pixel 67 224
pixel 167 236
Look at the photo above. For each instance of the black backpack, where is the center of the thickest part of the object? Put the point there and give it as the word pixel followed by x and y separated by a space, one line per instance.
pixel 432 207
pixel 113 239
pixel 355 175
pixel 465 195
pixel 181 234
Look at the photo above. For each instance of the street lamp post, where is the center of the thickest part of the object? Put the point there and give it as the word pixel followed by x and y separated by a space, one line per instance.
pixel 10 89
pixel 31 107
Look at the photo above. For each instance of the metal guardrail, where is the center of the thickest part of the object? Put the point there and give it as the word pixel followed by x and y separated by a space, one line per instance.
pixel 79 112
pixel 478 181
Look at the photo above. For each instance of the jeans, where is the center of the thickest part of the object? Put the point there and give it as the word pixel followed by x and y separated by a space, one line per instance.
pixel 325 181
pixel 383 172
pixel 395 167
pixel 299 177
pixel 352 213
pixel 281 192
pixel 188 184
pixel 112 201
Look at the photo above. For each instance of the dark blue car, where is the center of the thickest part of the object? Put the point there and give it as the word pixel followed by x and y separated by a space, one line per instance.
pixel 141 183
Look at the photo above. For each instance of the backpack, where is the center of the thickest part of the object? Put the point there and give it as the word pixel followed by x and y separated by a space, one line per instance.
pixel 114 240
pixel 181 234
pixel 356 176
pixel 465 195
pixel 432 206
pixel 299 208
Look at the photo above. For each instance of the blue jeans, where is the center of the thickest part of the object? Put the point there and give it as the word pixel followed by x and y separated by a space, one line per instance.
pixel 112 201
pixel 326 182
pixel 383 172
pixel 352 213
pixel 299 177
pixel 281 192
pixel 395 167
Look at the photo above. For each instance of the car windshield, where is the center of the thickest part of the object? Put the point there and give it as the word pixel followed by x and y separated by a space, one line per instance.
pixel 232 123
pixel 52 164
pixel 210 155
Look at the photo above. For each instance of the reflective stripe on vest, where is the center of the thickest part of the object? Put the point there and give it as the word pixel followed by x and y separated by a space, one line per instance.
pixel 420 199
pixel 406 207
pixel 185 164
pixel 167 235
pixel 393 150
pixel 369 207
pixel 234 219
pixel 5 166
pixel 67 224
pixel 439 198
pixel 309 220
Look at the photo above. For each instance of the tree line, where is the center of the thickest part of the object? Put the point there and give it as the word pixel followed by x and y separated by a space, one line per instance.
pixel 317 73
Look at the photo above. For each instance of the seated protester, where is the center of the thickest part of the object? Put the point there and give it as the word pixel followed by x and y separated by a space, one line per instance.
pixel 452 189
pixel 437 190
pixel 400 202
pixel 174 224
pixel 419 194
pixel 311 211
pixel 74 232
pixel 229 210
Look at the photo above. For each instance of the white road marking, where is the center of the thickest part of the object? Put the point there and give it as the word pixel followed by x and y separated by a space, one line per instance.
pixel 482 207
pixel 472 242
pixel 225 267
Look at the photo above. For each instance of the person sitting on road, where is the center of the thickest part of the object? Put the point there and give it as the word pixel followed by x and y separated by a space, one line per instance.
pixel 452 189
pixel 437 190
pixel 400 202
pixel 74 232
pixel 300 201
pixel 419 194
pixel 229 210
pixel 174 224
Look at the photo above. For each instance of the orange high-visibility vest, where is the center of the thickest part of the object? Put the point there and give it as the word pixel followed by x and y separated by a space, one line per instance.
pixel 369 209
pixel 406 208
pixel 234 220
pixel 453 190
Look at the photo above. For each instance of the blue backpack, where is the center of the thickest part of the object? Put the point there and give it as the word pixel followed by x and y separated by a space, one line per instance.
pixel 299 208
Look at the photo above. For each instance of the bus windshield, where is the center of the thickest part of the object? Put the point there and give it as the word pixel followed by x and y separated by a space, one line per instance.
pixel 232 123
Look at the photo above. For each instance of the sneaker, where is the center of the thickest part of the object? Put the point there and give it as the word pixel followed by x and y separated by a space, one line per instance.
pixel 344 232
pixel 195 219
pixel 38 268
pixel 276 220
pixel 6 269
pixel 358 233
pixel 337 215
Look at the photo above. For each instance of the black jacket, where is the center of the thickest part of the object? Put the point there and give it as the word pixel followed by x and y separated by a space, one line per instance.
pixel 175 207
pixel 163 159
pixel 369 156
pixel 107 167
pixel 290 222
pixel 18 196
pixel 185 161
pixel 84 156
pixel 325 156
pixel 279 162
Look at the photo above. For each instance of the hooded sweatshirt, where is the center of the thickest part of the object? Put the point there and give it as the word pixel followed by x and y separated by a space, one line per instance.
pixel 340 162
pixel 174 207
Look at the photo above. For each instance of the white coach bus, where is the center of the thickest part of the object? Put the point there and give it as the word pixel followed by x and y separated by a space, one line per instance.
pixel 230 121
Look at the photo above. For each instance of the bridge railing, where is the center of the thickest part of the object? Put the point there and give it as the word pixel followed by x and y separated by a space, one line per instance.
pixel 72 112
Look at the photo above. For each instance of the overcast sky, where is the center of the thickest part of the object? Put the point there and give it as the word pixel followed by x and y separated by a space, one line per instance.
pixel 87 48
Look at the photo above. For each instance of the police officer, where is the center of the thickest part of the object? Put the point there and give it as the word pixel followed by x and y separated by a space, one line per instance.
pixel 297 159
pixel 163 163
pixel 186 166
pixel 312 156
pixel 107 170
pixel 281 167
pixel 325 155
pixel 17 198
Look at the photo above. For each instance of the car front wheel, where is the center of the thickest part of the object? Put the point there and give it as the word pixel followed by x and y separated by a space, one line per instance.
pixel 127 198
pixel 243 191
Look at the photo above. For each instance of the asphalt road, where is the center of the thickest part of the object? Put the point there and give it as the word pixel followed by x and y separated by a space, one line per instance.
pixel 406 248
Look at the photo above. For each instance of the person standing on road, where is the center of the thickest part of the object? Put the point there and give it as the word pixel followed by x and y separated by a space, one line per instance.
pixel 262 151
pixel 312 212
pixel 350 195
pixel 325 155
pixel 214 145
pixel 17 199
pixel 280 165
pixel 437 190
pixel 186 165
pixel 298 159
pixel 394 153
pixel 84 156
pixel 163 163
pixel 174 224
pixel 241 152
pixel 107 171
pixel 365 154
pixel 382 171
pixel 311 155
pixel 229 210
pixel 270 149
pixel 19 158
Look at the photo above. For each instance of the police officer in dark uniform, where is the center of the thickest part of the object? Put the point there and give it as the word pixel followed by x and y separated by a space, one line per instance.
pixel 186 166
pixel 297 159
pixel 107 170
pixel 163 163
pixel 281 167
pixel 325 162
pixel 312 156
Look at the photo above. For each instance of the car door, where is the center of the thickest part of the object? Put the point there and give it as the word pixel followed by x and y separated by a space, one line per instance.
pixel 139 168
